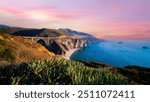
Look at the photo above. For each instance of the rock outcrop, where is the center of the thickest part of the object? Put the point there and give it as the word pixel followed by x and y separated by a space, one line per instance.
pixel 74 40
pixel 61 46
pixel 145 47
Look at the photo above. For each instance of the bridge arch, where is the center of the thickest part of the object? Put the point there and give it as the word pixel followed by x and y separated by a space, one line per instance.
pixel 42 42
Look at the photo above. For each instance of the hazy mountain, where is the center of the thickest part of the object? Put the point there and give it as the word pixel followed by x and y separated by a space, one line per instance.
pixel 4 26
pixel 75 33
pixel 45 32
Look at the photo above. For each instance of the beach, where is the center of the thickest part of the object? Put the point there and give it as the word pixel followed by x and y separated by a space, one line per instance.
pixel 69 53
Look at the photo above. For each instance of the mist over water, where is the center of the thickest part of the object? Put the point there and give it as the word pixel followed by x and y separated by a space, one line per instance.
pixel 117 53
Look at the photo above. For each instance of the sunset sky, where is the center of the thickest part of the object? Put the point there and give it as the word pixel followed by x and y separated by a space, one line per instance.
pixel 119 19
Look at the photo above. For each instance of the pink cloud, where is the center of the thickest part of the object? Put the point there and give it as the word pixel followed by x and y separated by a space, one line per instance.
pixel 116 18
pixel 119 29
pixel 10 10
pixel 48 13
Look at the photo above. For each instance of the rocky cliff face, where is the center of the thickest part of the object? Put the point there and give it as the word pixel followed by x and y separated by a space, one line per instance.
pixel 61 46
pixel 75 40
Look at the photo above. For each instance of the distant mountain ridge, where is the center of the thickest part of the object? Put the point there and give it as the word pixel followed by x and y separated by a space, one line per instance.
pixel 31 32
pixel 74 32
pixel 4 26
pixel 44 32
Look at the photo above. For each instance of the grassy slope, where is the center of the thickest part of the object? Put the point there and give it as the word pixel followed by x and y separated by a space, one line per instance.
pixel 58 71
pixel 16 50
pixel 138 75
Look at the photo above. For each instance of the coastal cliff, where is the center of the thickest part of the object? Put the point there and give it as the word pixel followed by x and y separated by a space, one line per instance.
pixel 62 42
pixel 74 41
pixel 63 45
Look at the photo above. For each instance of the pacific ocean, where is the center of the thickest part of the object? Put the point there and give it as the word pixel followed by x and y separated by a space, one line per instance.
pixel 116 53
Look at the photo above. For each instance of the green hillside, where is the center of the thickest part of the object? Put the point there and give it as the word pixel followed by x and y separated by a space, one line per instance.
pixel 58 72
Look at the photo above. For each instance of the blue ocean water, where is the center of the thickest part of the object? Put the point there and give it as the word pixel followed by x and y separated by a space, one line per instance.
pixel 116 53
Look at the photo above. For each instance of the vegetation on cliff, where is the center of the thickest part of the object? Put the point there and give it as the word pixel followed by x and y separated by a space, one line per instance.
pixel 138 75
pixel 16 49
pixel 58 71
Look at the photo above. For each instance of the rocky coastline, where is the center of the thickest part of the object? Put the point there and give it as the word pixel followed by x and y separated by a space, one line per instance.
pixel 65 47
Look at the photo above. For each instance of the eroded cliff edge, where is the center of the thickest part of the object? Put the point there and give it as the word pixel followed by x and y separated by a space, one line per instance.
pixel 66 46
pixel 61 46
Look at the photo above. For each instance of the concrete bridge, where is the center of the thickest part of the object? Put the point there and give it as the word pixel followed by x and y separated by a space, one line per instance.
pixel 41 40
pixel 60 45
pixel 45 41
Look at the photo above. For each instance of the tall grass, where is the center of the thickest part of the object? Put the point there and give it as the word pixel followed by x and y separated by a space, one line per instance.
pixel 60 71
pixel 5 52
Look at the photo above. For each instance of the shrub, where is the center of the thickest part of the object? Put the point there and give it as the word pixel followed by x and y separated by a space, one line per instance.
pixel 58 71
